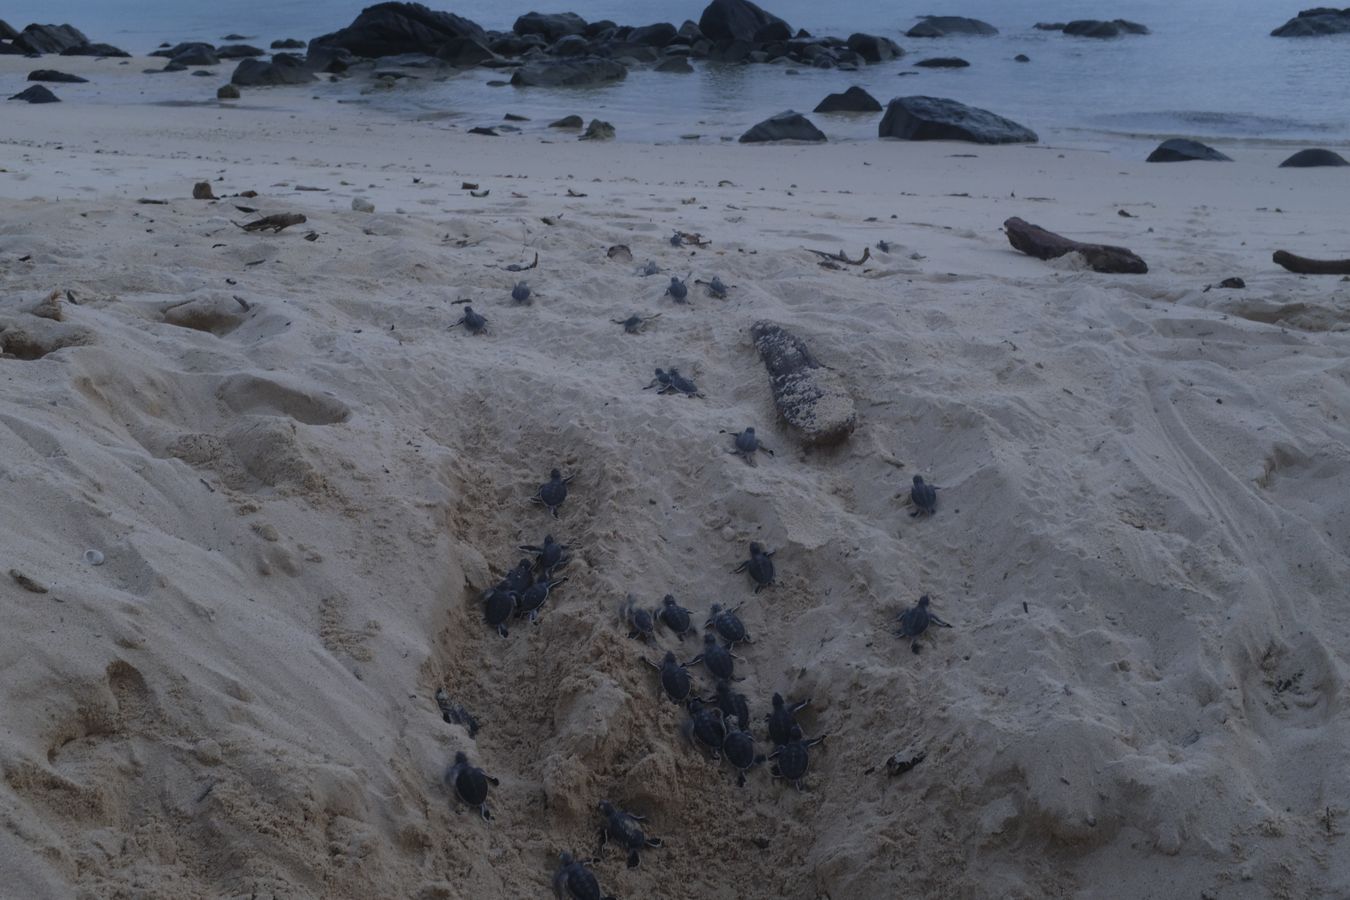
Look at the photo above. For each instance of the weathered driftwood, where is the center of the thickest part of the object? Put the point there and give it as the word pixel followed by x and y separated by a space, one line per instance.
pixel 809 397
pixel 1305 266
pixel 1034 240
pixel 842 257
pixel 274 223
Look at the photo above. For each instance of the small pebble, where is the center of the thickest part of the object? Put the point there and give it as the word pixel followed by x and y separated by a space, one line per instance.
pixel 93 557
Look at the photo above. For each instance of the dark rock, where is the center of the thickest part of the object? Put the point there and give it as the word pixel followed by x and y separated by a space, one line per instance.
pixel 943 62
pixel 731 51
pixel 568 122
pixel 677 64
pixel 786 126
pixel 55 76
pixel 95 50
pixel 171 66
pixel 940 119
pixel 1095 28
pixel 49 38
pixel 484 131
pixel 598 131
pixel 37 94
pixel 288 44
pixel 941 26
pixel 465 53
pixel 329 59
pixel 631 53
pixel 1233 284
pixel 227 92
pixel 7 32
pixel 737 20
pixel 235 37
pixel 571 45
pixel 874 49
pixel 690 32
pixel 1315 23
pixel 239 51
pixel 283 69
pixel 1022 57
pixel 512 44
pixel 183 48
pixel 550 25
pixel 1132 27
pixel 204 73
pixel 598 30
pixel 1307 159
pixel 387 29
pixel 855 99
pixel 658 35
pixel 569 73
pixel 811 398
pixel 8 49
pixel 774 31
pixel 197 56
pixel 1185 150
pixel 1049 26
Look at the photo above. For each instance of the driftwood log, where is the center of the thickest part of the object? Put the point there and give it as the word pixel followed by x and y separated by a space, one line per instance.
pixel 274 223
pixel 1304 266
pixel 810 398
pixel 1036 241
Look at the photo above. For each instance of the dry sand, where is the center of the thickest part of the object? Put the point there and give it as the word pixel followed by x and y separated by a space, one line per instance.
pixel 1143 537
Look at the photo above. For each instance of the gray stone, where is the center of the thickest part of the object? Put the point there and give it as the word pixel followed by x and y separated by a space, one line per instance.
pixel 740 20
pixel 283 69
pixel 1315 23
pixel 227 92
pixel 874 49
pixel 941 26
pixel 940 119
pixel 51 75
pixel 1185 150
pixel 812 400
pixel 1307 159
pixel 37 94
pixel 855 99
pixel 569 73
pixel 49 38
pixel 550 25
pixel 388 29
pixel 786 126
pixel 943 62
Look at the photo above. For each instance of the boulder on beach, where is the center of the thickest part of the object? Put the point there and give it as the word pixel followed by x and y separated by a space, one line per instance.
pixel 288 44
pixel 329 59
pixel 1185 150
pixel 49 38
pixel 1312 158
pixel 942 26
pixel 1315 23
pixel 283 69
pixel 8 49
pixel 855 99
pixel 388 29
pixel 54 76
pixel 37 94
pixel 550 26
pixel 567 122
pixel 786 126
pixel 571 45
pixel 95 50
pixel 740 20
pixel 227 92
pixel 658 35
pixel 7 31
pixel 940 119
pixel 183 48
pixel 943 62
pixel 197 56
pixel 581 72
pixel 598 130
pixel 1097 28
pixel 465 53
pixel 676 64
pixel 873 48
pixel 239 51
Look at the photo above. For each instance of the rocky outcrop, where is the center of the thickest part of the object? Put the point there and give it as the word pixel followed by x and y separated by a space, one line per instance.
pixel 51 75
pixel 37 94
pixel 940 119
pixel 1308 159
pixel 941 26
pixel 283 69
pixel 1315 23
pixel 741 20
pixel 786 126
pixel 239 51
pixel 49 38
pixel 853 100
pixel 1185 150
pixel 550 26
pixel 388 29
pixel 569 73
pixel 874 49
pixel 1097 28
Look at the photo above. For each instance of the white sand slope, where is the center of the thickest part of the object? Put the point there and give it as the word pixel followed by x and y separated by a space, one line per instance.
pixel 1143 536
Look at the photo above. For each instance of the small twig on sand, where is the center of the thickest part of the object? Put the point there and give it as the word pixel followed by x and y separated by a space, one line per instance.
pixel 273 223
pixel 842 257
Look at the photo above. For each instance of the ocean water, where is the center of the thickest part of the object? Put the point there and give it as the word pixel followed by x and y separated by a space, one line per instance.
pixel 1209 70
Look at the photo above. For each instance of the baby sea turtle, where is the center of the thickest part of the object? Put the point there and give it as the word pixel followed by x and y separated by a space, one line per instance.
pixel 635 323
pixel 651 268
pixel 521 292
pixel 794 758
pixel 746 445
pixel 497 608
pixel 759 565
pixel 677 240
pixel 456 713
pixel 924 497
pixel 674 678
pixel 720 661
pixel 574 881
pixel 548 556
pixel 717 289
pixel 470 783
pixel 681 385
pixel 783 720
pixel 534 596
pixel 915 621
pixel 472 321
pixel 739 749
pixel 732 704
pixel 705 726
pixel 640 622
pixel 674 616
pixel 553 492
pixel 518 579
pixel 727 624
pixel 623 828
pixel 677 290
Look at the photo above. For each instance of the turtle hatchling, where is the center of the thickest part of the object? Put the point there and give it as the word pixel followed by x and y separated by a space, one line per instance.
pixel 717 289
pixel 746 445
pixel 574 881
pixel 553 492
pixel 519 578
pixel 521 292
pixel 651 268
pixel 783 720
pixel 549 556
pixel 719 661
pixel 640 622
pixel 728 625
pixel 470 783
pixel 634 324
pixel 705 726
pixel 759 565
pixel 794 758
pixel 472 321
pixel 923 496
pixel 739 749
pixel 677 240
pixel 677 290
pixel 674 677
pixel 679 384
pixel 674 616
pixel 534 596
pixel 623 828
pixel 915 621
pixel 732 704
pixel 497 608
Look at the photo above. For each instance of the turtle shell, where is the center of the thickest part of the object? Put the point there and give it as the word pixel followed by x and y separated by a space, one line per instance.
pixel 675 680
pixel 641 620
pixel 729 626
pixel 761 569
pixel 793 760
pixel 471 785
pixel 673 616
pixel 719 660
pixel 914 622
pixel 498 606
pixel 708 727
pixel 781 722
pixel 533 597
pixel 580 882
pixel 624 829
pixel 924 496
pixel 739 748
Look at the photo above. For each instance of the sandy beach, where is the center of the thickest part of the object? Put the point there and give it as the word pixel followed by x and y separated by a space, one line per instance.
pixel 300 478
